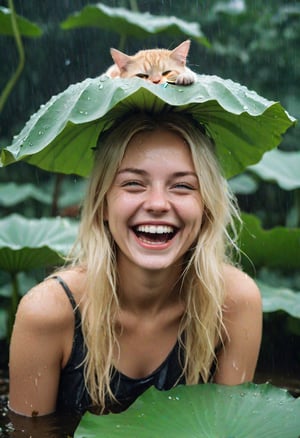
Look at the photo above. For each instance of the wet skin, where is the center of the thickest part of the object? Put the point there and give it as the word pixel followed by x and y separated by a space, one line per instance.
pixel 154 208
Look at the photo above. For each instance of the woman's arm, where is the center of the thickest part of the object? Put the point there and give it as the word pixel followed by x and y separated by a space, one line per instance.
pixel 40 344
pixel 243 329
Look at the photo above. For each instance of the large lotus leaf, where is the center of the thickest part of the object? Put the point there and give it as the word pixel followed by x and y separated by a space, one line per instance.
pixel 201 411
pixel 71 192
pixel 12 193
pixel 61 136
pixel 281 167
pixel 135 24
pixel 278 247
pixel 243 184
pixel 26 28
pixel 32 243
pixel 280 298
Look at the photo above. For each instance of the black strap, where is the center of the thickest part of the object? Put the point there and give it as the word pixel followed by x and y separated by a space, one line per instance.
pixel 71 298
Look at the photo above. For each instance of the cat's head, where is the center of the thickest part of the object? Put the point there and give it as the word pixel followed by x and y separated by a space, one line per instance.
pixel 154 65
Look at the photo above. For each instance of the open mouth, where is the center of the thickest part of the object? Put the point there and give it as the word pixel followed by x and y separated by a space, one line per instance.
pixel 155 234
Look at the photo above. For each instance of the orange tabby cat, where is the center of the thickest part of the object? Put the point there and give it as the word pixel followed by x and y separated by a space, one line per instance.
pixel 154 65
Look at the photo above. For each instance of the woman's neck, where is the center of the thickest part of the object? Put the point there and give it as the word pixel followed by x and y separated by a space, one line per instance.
pixel 148 291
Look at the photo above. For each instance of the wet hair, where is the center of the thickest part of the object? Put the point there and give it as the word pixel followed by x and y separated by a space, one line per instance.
pixel 202 285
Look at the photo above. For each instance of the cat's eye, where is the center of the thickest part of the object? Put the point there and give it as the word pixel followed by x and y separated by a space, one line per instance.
pixel 142 75
pixel 165 73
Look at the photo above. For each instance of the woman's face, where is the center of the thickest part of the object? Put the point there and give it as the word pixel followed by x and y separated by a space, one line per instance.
pixel 154 208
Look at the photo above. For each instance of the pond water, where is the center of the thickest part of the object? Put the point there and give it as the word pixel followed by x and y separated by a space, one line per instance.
pixel 63 426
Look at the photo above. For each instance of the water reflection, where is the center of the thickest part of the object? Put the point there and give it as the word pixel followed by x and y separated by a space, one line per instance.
pixel 49 426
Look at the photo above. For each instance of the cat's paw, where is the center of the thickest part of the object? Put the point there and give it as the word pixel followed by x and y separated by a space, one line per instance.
pixel 186 78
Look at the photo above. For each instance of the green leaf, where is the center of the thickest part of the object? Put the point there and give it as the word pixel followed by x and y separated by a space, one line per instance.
pixel 135 24
pixel 32 243
pixel 61 136
pixel 280 298
pixel 26 28
pixel 201 411
pixel 243 184
pixel 12 194
pixel 278 247
pixel 26 281
pixel 71 192
pixel 281 167
pixel 231 7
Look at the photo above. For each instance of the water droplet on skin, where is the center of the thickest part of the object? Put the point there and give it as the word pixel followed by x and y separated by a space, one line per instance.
pixel 41 132
pixel 234 365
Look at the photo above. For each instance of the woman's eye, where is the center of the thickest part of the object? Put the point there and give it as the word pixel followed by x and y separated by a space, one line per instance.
pixel 132 184
pixel 184 186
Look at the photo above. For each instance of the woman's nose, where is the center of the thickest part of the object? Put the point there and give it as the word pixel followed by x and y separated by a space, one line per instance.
pixel 157 200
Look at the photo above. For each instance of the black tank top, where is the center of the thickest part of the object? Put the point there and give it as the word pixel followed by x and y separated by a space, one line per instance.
pixel 73 395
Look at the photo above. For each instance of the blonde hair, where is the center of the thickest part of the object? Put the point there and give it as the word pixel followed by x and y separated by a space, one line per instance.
pixel 202 285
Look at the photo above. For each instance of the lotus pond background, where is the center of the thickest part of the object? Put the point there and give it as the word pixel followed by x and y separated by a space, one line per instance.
pixel 242 40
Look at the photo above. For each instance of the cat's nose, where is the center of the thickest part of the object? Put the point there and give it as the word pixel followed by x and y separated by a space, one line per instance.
pixel 155 79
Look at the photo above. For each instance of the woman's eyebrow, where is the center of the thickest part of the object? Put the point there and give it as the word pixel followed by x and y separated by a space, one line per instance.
pixel 132 170
pixel 138 171
pixel 184 173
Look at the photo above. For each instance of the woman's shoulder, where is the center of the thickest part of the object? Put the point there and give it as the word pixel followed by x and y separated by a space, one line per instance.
pixel 240 288
pixel 47 304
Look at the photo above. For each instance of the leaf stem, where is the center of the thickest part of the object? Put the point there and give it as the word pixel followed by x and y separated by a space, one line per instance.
pixel 134 6
pixel 122 41
pixel 59 177
pixel 14 78
pixel 297 205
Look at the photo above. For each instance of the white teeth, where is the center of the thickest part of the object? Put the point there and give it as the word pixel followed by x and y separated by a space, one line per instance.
pixel 155 229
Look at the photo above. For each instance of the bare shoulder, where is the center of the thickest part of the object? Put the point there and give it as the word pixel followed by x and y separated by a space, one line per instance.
pixel 46 305
pixel 240 289
pixel 242 318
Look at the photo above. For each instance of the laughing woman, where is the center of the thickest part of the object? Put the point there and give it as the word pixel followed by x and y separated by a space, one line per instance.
pixel 151 296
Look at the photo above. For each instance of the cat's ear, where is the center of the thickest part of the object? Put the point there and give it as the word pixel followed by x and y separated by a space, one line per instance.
pixel 120 58
pixel 180 52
